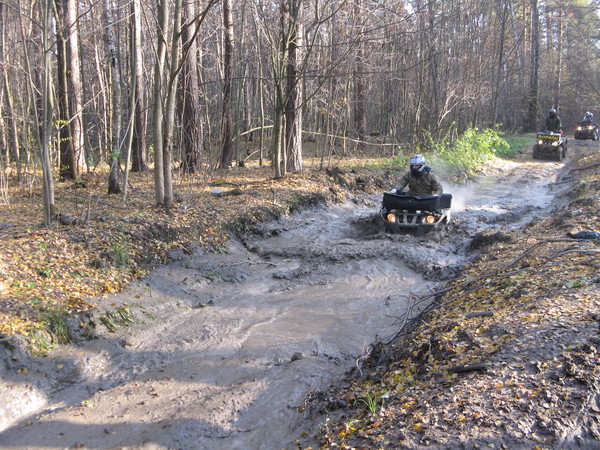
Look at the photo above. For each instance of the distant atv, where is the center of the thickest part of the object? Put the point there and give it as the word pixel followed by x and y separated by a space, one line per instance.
pixel 403 212
pixel 550 145
pixel 586 130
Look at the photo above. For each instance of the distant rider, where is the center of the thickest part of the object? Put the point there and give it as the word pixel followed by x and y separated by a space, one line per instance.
pixel 589 118
pixel 420 178
pixel 553 122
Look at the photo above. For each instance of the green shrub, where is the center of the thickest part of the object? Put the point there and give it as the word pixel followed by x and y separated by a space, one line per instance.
pixel 518 142
pixel 468 152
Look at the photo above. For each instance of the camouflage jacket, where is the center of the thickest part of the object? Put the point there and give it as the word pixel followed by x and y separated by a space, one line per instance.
pixel 553 124
pixel 426 184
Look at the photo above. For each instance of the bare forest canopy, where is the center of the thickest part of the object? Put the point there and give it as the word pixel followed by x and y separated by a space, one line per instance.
pixel 185 86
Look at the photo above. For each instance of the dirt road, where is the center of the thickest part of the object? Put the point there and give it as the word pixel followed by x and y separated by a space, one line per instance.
pixel 224 348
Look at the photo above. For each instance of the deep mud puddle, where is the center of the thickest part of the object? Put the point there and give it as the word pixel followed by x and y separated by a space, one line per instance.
pixel 228 346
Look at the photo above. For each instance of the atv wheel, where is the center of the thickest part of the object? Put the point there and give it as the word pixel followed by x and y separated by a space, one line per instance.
pixel 564 151
pixel 536 152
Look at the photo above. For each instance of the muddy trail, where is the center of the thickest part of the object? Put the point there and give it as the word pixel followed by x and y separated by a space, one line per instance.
pixel 223 349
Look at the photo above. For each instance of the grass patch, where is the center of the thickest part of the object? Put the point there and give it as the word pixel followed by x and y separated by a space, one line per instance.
pixel 53 330
pixel 58 326
pixel 371 403
pixel 119 253
pixel 119 317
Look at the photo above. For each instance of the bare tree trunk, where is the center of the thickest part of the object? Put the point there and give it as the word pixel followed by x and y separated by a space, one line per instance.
pixel 294 100
pixel 34 78
pixel 503 15
pixel 559 56
pixel 103 104
pixel 12 137
pixel 277 130
pixel 133 92
pixel 75 86
pixel 171 101
pixel 360 123
pixel 115 111
pixel 226 118
pixel 48 182
pixel 241 112
pixel 4 153
pixel 138 143
pixel 260 88
pixel 191 122
pixel 262 109
pixel 279 58
pixel 531 124
pixel 157 116
pixel 68 168
pixel 434 65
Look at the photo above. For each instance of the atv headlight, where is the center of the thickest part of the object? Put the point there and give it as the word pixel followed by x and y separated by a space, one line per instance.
pixel 391 217
pixel 579 128
pixel 590 127
pixel 540 142
pixel 430 219
pixel 555 144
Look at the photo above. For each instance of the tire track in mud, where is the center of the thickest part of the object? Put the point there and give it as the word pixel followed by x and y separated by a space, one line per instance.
pixel 228 346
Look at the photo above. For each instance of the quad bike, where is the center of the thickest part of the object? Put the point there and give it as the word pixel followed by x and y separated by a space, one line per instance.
pixel 550 145
pixel 403 212
pixel 586 130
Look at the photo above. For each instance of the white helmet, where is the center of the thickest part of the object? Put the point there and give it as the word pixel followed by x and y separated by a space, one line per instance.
pixel 418 160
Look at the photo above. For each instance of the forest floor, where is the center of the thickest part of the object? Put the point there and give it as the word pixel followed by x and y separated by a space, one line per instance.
pixel 507 359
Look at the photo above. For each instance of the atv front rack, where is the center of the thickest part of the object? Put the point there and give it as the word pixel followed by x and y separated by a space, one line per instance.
pixel 416 203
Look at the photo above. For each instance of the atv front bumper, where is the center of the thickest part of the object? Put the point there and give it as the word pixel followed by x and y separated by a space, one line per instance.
pixel 418 221
pixel 585 133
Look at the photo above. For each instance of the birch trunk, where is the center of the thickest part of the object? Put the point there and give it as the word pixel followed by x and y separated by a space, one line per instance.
pixel 157 105
pixel 115 100
pixel 171 101
pixel 75 87
pixel 47 106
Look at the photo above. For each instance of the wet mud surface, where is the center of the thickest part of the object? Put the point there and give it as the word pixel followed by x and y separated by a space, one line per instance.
pixel 224 349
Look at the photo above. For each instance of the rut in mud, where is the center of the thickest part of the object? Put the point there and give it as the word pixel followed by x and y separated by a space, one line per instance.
pixel 228 346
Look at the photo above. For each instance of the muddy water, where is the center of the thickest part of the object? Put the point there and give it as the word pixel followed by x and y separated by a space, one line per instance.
pixel 229 345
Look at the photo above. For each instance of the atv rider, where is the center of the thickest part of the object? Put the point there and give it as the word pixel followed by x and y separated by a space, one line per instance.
pixel 419 178
pixel 553 122
pixel 589 118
